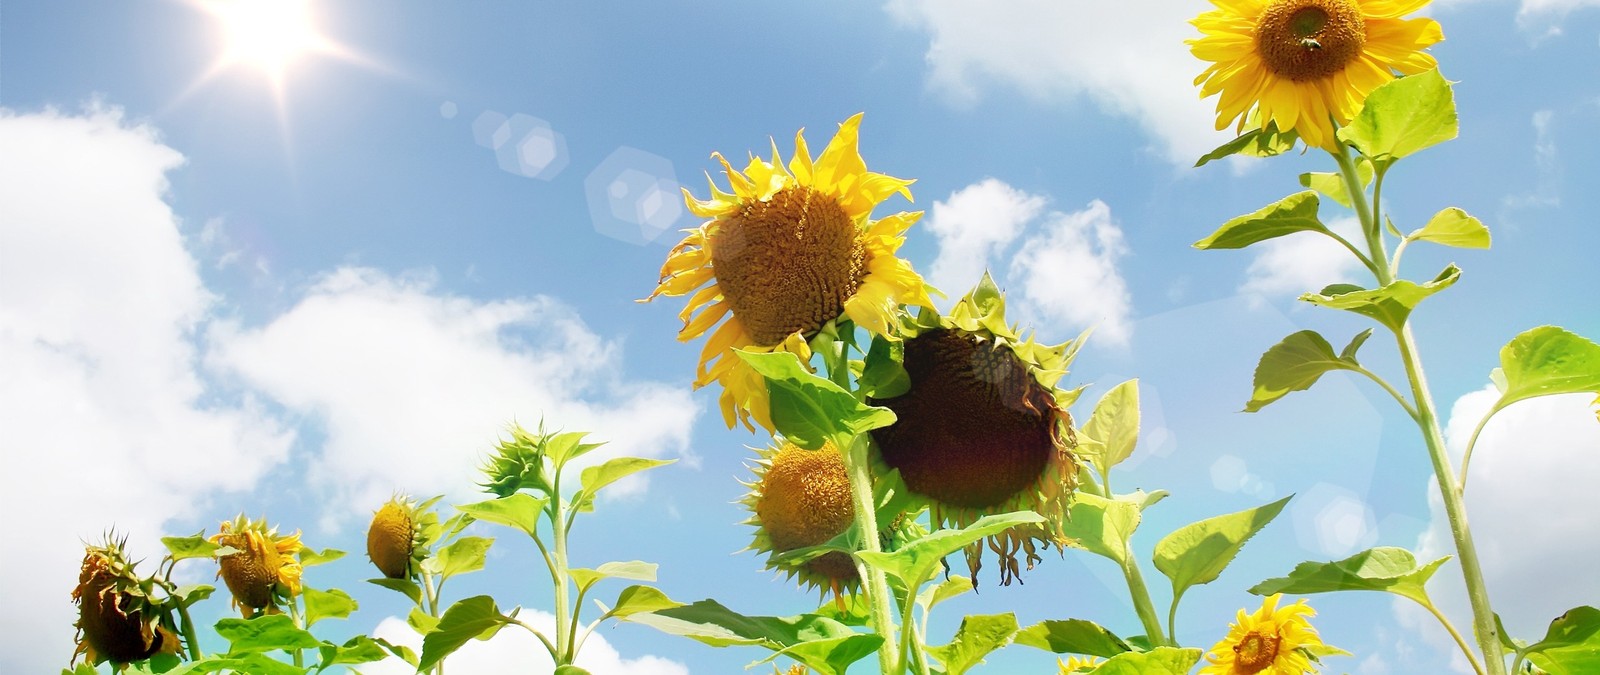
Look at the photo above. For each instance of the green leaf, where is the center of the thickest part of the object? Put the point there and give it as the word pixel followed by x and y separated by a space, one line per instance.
pixel 472 618
pixel 640 599
pixel 1571 645
pixel 708 622
pixel 1385 568
pixel 635 570
pixel 519 510
pixel 1142 499
pixel 1072 636
pixel 188 595
pixel 954 586
pixel 1349 351
pixel 829 656
pixel 1253 143
pixel 596 478
pixel 1548 360
pixel 1403 117
pixel 403 652
pixel 1197 553
pixel 460 557
pixel 309 557
pixel 262 633
pixel 1294 213
pixel 882 374
pixel 1158 661
pixel 563 448
pixel 811 410
pixel 1453 227
pixel 1101 526
pixel 1294 364
pixel 254 663
pixel 1113 428
pixel 404 586
pixel 1331 185
pixel 914 562
pixel 569 669
pixel 193 546
pixel 976 638
pixel 421 621
pixel 330 604
pixel 1389 305
pixel 359 649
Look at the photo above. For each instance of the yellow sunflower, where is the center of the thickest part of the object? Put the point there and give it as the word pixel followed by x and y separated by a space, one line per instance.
pixel 117 621
pixel 261 568
pixel 802 498
pixel 1303 64
pixel 982 428
pixel 790 250
pixel 1274 641
pixel 1075 664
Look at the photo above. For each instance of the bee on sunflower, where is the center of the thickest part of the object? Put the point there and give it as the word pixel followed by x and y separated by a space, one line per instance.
pixel 802 498
pixel 1303 65
pixel 1274 641
pixel 118 621
pixel 257 564
pixel 792 249
pixel 982 428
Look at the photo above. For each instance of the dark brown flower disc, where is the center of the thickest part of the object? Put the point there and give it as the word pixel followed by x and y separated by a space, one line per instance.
pixel 111 628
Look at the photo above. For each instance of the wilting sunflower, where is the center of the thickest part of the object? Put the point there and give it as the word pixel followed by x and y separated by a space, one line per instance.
pixel 397 539
pixel 802 498
pixel 982 428
pixel 117 621
pixel 1298 63
pixel 790 250
pixel 1274 641
pixel 262 568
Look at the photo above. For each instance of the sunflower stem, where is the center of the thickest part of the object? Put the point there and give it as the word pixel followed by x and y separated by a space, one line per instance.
pixel 1369 223
pixel 188 631
pixel 875 583
pixel 295 617
pixel 558 571
pixel 1141 602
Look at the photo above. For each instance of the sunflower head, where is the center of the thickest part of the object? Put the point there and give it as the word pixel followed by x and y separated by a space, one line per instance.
pixel 117 620
pixel 394 538
pixel 1273 641
pixel 791 250
pixel 258 565
pixel 1075 664
pixel 982 428
pixel 1303 65
pixel 802 498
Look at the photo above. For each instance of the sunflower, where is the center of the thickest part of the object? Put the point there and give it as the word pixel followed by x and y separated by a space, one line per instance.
pixel 802 498
pixel 117 621
pixel 982 428
pixel 790 250
pixel 1303 64
pixel 261 567
pixel 1274 640
pixel 1075 664
pixel 393 538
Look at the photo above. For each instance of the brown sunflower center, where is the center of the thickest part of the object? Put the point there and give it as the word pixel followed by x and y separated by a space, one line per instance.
pixel 252 572
pixel 787 264
pixel 1310 39
pixel 1255 652
pixel 805 498
pixel 975 427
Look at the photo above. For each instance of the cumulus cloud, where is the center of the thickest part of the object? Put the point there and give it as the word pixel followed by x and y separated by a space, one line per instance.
pixel 104 418
pixel 1531 500
pixel 1129 58
pixel 1300 263
pixel 412 386
pixel 516 650
pixel 1064 269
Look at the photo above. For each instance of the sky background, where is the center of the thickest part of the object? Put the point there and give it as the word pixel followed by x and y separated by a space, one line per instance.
pixel 220 296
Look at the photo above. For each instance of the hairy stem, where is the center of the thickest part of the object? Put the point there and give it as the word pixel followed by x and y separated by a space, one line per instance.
pixel 874 582
pixel 558 571
pixel 1141 602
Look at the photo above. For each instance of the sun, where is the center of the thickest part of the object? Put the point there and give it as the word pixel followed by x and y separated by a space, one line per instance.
pixel 270 37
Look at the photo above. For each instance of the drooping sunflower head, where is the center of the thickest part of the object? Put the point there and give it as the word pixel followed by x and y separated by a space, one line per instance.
pixel 394 538
pixel 802 498
pixel 258 565
pixel 982 428
pixel 1273 641
pixel 790 250
pixel 1303 64
pixel 117 620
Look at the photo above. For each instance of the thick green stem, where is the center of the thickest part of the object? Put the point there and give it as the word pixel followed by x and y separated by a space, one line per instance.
pixel 295 617
pixel 1369 225
pixel 558 571
pixel 430 598
pixel 875 583
pixel 911 646
pixel 1141 602
pixel 188 631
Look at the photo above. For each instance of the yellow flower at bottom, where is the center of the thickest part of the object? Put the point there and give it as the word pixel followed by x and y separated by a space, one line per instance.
pixel 1269 641
pixel 1075 664
pixel 802 498
pixel 392 538
pixel 790 250
pixel 1303 64
pixel 261 568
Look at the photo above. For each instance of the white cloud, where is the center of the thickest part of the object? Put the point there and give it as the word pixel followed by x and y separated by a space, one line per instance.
pixel 1127 57
pixel 104 419
pixel 1069 275
pixel 974 224
pixel 1546 191
pixel 516 650
pixel 413 387
pixel 1549 13
pixel 1300 263
pixel 1531 501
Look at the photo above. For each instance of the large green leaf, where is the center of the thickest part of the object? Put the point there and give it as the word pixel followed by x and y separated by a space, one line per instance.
pixel 634 570
pixel 262 633
pixel 977 636
pixel 330 604
pixel 405 586
pixel 1331 185
pixel 708 622
pixel 596 478
pixel 1572 644
pixel 915 561
pixel 1254 143
pixel 952 586
pixel 829 656
pixel 519 510
pixel 1072 636
pixel 1292 365
pixel 359 649
pixel 460 557
pixel 1403 117
pixel 192 546
pixel 254 663
pixel 811 410
pixel 1548 360
pixel 563 448
pixel 1101 526
pixel 1294 213
pixel 471 618
pixel 639 599
pixel 1453 227
pixel 1113 429
pixel 1198 552
pixel 1386 568
pixel 1389 305
pixel 1158 661
pixel 309 557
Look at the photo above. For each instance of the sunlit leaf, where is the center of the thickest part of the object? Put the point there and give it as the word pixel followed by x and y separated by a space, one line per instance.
pixel 1547 360
pixel 264 632
pixel 1294 213
pixel 1113 428
pixel 1389 305
pixel 1142 499
pixel 1403 117
pixel 1072 636
pixel 421 621
pixel 829 656
pixel 569 669
pixel 1453 227
pixel 1253 143
pixel 472 618
pixel 1292 365
pixel 596 478
pixel 405 586
pixel 1197 553
pixel 309 557
pixel 914 562
pixel 359 649
pixel 954 586
pixel 640 599
pixel 811 410
pixel 461 556
pixel 519 510
pixel 193 546
pixel 1386 568
pixel 708 622
pixel 1572 644
pixel 330 604
pixel 1101 526
pixel 1158 661
pixel 635 570
pixel 563 448
pixel 882 374
pixel 1331 185
pixel 976 637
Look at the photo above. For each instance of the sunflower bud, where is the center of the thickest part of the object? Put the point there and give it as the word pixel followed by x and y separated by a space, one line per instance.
pixel 391 538
pixel 116 621
pixel 261 568
pixel 802 498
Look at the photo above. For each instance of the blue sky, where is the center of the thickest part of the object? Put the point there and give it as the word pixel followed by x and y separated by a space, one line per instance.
pixel 217 297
